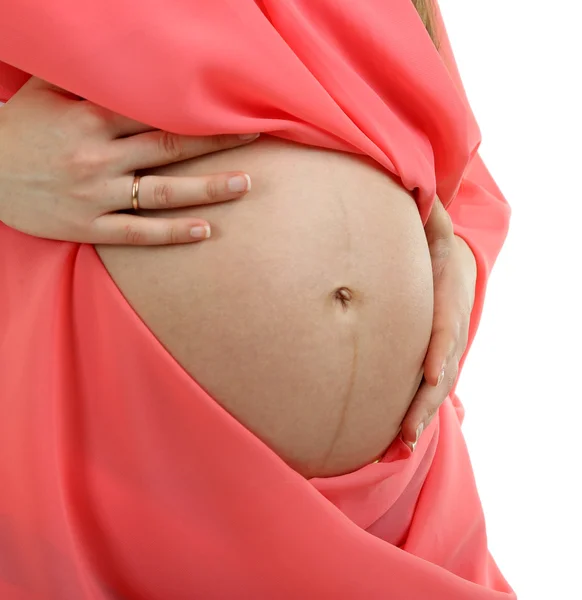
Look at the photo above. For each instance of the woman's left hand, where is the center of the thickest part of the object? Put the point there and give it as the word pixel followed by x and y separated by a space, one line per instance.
pixel 454 273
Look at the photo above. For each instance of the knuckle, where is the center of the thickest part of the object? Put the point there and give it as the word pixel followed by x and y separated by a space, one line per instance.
pixel 432 410
pixel 172 235
pixel 90 117
pixel 163 196
pixel 83 195
pixel 455 332
pixel 218 142
pixel 213 190
pixel 440 328
pixel 171 145
pixel 84 163
pixel 132 235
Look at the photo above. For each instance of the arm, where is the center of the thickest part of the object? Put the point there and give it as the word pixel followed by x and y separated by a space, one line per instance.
pixel 464 242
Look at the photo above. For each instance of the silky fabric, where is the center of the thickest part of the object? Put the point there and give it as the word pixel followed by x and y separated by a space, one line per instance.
pixel 121 478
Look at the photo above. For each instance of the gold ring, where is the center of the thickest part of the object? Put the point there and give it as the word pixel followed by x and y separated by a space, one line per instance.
pixel 135 193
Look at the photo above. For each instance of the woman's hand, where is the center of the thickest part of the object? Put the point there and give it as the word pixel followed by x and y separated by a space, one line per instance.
pixel 454 274
pixel 67 167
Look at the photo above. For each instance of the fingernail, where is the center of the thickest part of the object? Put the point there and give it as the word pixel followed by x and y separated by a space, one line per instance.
pixel 441 376
pixel 200 232
pixel 239 183
pixel 247 137
pixel 419 430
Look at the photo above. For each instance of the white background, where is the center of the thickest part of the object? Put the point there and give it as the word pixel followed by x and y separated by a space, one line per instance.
pixel 521 63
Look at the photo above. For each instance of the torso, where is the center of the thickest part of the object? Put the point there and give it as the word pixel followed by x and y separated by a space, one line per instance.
pixel 308 313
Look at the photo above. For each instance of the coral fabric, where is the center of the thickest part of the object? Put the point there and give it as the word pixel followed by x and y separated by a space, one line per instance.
pixel 120 477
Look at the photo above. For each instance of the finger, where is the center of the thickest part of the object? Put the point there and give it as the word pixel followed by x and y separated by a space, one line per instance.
pixel 426 404
pixel 158 148
pixel 35 84
pixel 164 193
pixel 438 225
pixel 413 423
pixel 441 348
pixel 122 127
pixel 121 229
pixel 179 192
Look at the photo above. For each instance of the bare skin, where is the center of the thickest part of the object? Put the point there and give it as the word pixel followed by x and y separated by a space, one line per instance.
pixel 68 170
pixel 308 313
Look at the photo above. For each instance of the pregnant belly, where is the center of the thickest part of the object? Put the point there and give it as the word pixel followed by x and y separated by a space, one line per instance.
pixel 308 313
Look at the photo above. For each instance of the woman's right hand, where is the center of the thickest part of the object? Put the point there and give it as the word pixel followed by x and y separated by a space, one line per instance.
pixel 67 167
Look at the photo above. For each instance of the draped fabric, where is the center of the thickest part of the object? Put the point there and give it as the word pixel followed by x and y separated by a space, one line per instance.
pixel 121 478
